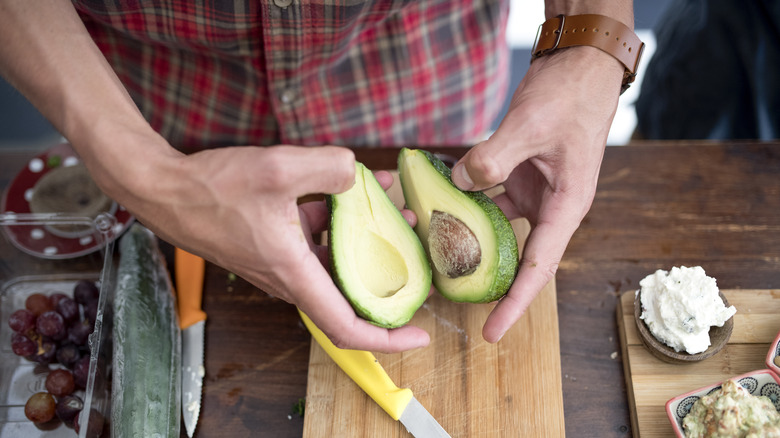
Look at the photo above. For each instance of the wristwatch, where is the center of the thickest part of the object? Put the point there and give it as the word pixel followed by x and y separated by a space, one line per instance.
pixel 598 31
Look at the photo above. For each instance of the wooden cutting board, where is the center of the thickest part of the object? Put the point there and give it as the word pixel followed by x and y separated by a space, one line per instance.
pixel 652 382
pixel 473 388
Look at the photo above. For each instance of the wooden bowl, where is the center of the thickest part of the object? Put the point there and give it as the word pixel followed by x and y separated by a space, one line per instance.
pixel 719 337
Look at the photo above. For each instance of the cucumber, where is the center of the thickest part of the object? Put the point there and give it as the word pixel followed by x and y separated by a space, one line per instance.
pixel 146 387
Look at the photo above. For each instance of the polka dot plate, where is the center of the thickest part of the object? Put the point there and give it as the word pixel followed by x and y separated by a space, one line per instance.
pixel 34 236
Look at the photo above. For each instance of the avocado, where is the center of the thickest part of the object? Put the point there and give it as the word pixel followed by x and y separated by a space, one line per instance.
pixel 469 241
pixel 376 259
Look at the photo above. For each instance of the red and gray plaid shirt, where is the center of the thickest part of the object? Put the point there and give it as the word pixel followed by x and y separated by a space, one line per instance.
pixel 358 73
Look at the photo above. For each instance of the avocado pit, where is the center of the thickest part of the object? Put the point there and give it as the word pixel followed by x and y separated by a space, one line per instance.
pixel 454 249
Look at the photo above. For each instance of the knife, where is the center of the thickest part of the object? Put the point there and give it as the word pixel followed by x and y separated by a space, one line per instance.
pixel 368 373
pixel 192 320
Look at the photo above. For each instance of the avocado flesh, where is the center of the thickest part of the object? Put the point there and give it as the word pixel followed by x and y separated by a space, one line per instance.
pixel 377 261
pixel 429 191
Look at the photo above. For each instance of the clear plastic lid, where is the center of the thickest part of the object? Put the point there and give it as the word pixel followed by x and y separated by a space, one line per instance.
pixel 75 249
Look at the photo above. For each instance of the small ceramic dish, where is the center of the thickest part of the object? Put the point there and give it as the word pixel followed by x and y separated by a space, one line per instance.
pixel 773 357
pixel 719 337
pixel 759 382
pixel 58 239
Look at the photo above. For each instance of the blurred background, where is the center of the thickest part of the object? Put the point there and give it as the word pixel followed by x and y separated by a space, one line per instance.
pixel 22 126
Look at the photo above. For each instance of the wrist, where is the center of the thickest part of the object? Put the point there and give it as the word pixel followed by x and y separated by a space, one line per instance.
pixel 128 160
pixel 592 30
pixel 622 11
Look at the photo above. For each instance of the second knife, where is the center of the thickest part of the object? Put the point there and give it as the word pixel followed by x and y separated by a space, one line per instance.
pixel 189 270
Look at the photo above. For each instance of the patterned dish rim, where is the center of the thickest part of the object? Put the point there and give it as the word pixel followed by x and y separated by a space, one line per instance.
pixel 758 382
pixel 773 354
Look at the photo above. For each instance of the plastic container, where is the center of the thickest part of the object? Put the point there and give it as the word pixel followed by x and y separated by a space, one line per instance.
pixel 23 273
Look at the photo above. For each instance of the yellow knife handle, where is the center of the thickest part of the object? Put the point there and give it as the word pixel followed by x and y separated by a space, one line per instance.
pixel 189 287
pixel 364 370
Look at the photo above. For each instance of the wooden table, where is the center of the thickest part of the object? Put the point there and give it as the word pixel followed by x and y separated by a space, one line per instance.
pixel 658 205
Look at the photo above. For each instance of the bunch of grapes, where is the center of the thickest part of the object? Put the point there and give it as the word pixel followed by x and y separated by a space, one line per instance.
pixel 54 329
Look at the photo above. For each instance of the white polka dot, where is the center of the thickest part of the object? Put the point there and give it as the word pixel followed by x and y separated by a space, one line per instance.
pixel 37 233
pixel 86 240
pixel 117 228
pixel 50 250
pixel 28 194
pixel 36 165
pixel 70 161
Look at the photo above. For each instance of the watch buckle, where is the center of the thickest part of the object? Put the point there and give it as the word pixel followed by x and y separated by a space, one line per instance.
pixel 536 54
pixel 629 76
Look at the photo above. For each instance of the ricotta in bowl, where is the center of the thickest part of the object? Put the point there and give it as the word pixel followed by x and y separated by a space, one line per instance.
pixel 679 307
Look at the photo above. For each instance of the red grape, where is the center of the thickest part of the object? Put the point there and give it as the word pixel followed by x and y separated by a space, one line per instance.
pixel 81 371
pixel 68 354
pixel 22 320
pixel 56 297
pixel 90 312
pixel 68 409
pixel 40 407
pixel 22 345
pixel 51 324
pixel 85 291
pixel 69 309
pixel 38 303
pixel 60 383
pixel 96 424
pixel 79 331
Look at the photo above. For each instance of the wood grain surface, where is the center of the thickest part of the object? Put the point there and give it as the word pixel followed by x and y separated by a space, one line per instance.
pixel 652 382
pixel 473 388
pixel 657 205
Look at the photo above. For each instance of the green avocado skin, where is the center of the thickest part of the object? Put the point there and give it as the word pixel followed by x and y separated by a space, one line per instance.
pixel 508 253
pixel 402 317
pixel 360 310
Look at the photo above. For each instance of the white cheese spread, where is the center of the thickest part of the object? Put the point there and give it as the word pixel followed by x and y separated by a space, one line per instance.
pixel 680 306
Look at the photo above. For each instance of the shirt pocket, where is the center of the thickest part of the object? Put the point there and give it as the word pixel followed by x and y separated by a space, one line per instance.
pixel 230 27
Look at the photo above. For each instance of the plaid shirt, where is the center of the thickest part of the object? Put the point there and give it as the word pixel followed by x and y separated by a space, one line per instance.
pixel 360 73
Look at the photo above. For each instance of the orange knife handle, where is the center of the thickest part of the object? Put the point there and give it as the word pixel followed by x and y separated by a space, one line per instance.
pixel 189 287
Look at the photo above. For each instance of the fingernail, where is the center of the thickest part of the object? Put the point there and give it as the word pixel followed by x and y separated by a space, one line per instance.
pixel 460 169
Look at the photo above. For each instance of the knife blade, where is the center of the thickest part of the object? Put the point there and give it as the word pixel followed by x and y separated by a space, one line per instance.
pixel 189 270
pixel 367 372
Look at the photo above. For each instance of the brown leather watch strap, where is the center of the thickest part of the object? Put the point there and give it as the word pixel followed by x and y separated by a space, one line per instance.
pixel 598 31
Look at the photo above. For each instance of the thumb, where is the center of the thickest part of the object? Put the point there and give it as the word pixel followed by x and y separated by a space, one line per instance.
pixel 327 169
pixel 485 165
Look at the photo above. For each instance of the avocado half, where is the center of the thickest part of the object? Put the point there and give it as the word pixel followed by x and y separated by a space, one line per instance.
pixel 376 259
pixel 469 241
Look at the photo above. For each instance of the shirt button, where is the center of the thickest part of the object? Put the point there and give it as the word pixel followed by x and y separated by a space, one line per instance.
pixel 287 96
pixel 282 3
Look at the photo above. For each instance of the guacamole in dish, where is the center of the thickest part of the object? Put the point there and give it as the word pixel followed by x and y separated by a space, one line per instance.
pixel 732 411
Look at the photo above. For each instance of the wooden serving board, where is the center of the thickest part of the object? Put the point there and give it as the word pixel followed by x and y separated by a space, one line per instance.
pixel 652 382
pixel 473 388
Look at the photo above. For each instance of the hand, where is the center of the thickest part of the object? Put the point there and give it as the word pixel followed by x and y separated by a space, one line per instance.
pixel 237 207
pixel 547 152
pixel 315 217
